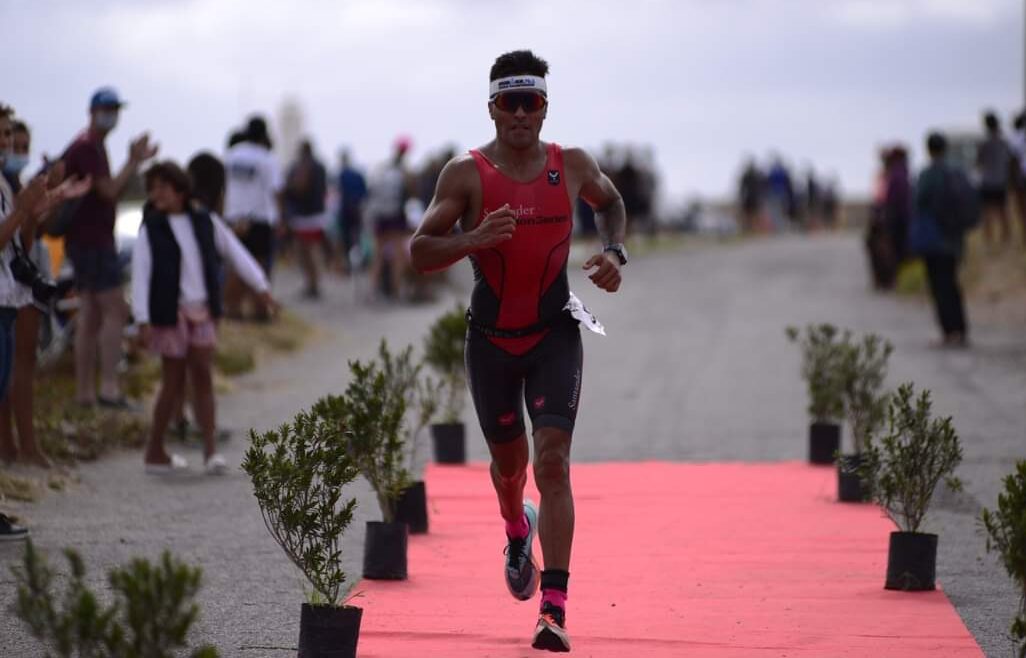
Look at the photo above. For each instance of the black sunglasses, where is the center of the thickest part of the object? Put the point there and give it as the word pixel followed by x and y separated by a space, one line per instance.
pixel 509 101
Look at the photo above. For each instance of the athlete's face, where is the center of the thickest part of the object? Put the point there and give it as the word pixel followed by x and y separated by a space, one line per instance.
pixel 518 123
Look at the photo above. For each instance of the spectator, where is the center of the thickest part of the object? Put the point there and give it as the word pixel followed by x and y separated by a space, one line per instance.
pixel 1018 173
pixel 176 298
pixel 352 188
pixel 994 160
pixel 305 190
pixel 941 243
pixel 19 219
pixel 388 189
pixel 18 157
pixel 91 248
pixel 750 190
pixel 252 207
pixel 779 194
pixel 20 401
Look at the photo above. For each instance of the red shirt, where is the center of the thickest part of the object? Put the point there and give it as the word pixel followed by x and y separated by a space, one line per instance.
pixel 92 227
pixel 523 280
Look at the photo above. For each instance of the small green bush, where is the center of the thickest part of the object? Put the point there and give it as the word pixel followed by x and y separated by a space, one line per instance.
pixel 419 393
pixel 904 468
pixel 370 415
pixel 150 617
pixel 863 371
pixel 298 472
pixel 822 353
pixel 1006 534
pixel 443 351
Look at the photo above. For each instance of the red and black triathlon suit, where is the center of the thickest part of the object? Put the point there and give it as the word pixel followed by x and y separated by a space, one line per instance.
pixel 521 344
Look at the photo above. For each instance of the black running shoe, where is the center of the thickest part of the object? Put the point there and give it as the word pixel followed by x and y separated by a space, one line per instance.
pixel 10 531
pixel 550 633
pixel 522 573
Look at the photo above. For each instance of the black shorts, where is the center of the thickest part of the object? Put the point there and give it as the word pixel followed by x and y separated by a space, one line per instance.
pixel 547 379
pixel 259 241
pixel 95 269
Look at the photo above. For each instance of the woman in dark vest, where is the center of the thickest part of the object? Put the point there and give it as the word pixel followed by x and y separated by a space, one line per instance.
pixel 176 300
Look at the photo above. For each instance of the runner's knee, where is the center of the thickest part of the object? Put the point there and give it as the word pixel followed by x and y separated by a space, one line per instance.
pixel 551 470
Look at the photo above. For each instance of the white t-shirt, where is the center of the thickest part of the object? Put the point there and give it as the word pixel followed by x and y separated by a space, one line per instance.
pixel 253 179
pixel 12 293
pixel 386 192
pixel 192 287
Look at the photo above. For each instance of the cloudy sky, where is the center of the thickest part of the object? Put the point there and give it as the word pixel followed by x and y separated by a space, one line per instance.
pixel 705 82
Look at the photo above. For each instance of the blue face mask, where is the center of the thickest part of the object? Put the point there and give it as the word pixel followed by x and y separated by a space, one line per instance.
pixel 14 163
pixel 106 120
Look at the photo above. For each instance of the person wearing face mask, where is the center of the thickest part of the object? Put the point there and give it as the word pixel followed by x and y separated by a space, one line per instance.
pixel 20 402
pixel 18 157
pixel 90 246
pixel 20 215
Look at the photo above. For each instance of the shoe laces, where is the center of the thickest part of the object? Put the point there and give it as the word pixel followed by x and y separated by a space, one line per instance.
pixel 516 553
pixel 554 613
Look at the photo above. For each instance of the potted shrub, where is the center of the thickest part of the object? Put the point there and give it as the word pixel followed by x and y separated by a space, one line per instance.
pixel 864 369
pixel 298 472
pixel 1006 534
pixel 372 419
pixel 421 398
pixel 150 617
pixel 902 470
pixel 821 347
pixel 443 351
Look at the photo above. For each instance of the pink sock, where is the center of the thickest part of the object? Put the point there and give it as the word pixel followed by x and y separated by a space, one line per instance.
pixel 518 529
pixel 555 597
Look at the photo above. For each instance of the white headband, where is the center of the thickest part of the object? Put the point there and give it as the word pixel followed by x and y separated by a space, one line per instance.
pixel 518 82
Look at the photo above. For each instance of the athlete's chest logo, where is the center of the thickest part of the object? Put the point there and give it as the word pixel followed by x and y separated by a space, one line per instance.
pixel 553 177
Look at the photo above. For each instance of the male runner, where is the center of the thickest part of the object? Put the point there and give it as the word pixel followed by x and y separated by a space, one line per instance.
pixel 513 199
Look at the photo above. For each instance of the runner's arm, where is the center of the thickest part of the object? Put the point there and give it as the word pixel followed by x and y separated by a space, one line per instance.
pixel 435 247
pixel 600 193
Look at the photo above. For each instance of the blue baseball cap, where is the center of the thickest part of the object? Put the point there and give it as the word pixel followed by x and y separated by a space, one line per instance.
pixel 106 97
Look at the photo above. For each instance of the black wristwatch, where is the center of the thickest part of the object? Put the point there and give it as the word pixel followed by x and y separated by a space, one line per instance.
pixel 619 250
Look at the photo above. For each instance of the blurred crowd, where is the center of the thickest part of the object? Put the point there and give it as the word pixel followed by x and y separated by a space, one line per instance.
pixel 970 181
pixel 775 198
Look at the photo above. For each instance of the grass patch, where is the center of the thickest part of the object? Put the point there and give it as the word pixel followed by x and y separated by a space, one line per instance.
pixel 17 488
pixel 70 433
pixel 242 344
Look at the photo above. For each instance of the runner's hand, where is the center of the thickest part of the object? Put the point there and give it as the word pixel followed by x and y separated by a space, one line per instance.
pixel 497 227
pixel 144 336
pixel 607 276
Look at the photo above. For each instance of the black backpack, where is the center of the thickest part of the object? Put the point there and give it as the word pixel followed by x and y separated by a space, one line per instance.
pixel 961 210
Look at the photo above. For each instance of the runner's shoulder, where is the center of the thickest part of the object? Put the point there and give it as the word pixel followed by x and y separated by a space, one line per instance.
pixel 576 158
pixel 460 172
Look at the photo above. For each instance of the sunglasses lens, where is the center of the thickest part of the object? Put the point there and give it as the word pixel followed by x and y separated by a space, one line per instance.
pixel 510 101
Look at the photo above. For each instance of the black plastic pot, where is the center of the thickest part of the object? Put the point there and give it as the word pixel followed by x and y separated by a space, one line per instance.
pixel 824 442
pixel 412 508
pixel 912 562
pixel 384 551
pixel 850 488
pixel 327 631
pixel 450 443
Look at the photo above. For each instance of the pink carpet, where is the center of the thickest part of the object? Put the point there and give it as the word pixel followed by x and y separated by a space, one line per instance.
pixel 718 560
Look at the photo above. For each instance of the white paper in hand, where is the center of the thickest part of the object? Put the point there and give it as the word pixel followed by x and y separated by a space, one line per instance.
pixel 577 309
